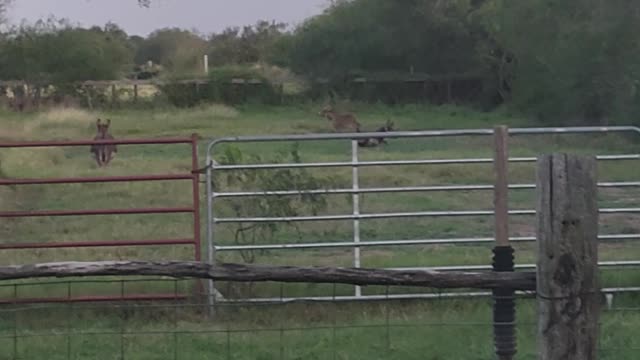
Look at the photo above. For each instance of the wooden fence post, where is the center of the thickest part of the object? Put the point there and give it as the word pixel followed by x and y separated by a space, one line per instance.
pixel 501 188
pixel 567 266
pixel 114 95
pixel 504 305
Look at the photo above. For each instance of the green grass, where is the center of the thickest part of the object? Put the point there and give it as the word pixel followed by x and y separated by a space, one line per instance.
pixel 423 329
pixel 452 329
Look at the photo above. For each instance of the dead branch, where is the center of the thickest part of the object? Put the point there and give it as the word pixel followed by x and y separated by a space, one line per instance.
pixel 263 273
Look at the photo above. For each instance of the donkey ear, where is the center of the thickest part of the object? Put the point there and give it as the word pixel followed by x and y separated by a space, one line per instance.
pixel 99 122
pixel 108 122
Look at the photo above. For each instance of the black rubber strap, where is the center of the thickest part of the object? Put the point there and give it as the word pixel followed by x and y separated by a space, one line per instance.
pixel 504 306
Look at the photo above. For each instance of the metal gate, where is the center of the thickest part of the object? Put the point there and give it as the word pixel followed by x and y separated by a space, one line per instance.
pixel 357 243
pixel 193 208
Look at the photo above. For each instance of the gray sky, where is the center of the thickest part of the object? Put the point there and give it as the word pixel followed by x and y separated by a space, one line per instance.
pixel 204 15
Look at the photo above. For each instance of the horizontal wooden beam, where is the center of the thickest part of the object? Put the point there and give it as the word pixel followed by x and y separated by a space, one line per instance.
pixel 263 273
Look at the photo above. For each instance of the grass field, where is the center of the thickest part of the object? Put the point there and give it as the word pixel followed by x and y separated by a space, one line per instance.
pixel 390 330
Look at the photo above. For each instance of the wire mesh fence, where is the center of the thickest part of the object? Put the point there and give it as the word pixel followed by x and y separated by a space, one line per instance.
pixel 183 329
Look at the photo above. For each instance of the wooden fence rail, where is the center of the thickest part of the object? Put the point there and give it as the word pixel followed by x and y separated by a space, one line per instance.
pixel 260 273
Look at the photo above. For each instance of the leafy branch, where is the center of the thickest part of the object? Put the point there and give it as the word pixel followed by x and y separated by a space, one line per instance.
pixel 268 180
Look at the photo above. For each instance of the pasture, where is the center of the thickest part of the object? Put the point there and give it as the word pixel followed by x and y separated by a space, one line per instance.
pixel 420 329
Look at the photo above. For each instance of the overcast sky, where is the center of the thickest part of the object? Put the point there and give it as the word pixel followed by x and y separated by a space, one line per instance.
pixel 204 15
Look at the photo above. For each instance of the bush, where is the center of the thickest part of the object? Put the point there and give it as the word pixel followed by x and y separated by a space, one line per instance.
pixel 269 206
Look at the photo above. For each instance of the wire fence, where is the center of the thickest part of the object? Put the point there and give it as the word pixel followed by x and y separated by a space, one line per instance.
pixel 82 319
pixel 182 329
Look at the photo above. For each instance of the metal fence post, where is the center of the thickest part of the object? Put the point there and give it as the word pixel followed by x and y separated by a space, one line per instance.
pixel 356 208
pixel 210 231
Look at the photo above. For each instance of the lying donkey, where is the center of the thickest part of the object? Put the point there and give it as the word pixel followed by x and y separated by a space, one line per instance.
pixel 373 142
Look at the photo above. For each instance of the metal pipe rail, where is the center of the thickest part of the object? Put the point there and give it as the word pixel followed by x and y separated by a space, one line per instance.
pixel 399 163
pixel 423 134
pixel 384 243
pixel 89 244
pixel 68 143
pixel 624 184
pixel 445 295
pixel 602 264
pixel 97 179
pixel 396 215
pixel 56 213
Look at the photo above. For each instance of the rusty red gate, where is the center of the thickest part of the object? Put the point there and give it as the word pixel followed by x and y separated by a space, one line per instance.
pixel 193 208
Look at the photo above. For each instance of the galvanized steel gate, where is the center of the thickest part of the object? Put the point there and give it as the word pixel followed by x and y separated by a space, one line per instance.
pixel 357 243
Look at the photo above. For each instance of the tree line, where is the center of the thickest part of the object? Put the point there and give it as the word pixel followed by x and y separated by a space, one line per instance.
pixel 568 61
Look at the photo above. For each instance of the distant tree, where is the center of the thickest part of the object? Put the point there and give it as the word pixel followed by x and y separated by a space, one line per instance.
pixel 574 61
pixel 4 6
pixel 380 36
pixel 55 53
pixel 179 51
pixel 33 52
pixel 250 45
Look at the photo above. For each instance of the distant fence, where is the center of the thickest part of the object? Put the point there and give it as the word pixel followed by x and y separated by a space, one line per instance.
pixel 436 89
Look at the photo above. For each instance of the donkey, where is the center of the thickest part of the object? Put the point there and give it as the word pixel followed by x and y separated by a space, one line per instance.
pixel 344 122
pixel 373 142
pixel 103 153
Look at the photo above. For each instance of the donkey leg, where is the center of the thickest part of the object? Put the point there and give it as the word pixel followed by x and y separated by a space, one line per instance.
pixel 96 157
pixel 103 158
pixel 107 159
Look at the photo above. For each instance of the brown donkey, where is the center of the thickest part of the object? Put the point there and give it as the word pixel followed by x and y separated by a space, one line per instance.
pixel 345 122
pixel 103 153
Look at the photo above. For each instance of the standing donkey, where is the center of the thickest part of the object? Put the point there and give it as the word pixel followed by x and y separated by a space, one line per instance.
pixel 341 122
pixel 103 153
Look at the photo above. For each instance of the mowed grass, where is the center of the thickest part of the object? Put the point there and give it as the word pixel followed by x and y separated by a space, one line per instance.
pixel 389 330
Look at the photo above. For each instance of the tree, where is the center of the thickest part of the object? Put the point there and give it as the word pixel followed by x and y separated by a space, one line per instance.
pixel 4 6
pixel 381 36
pixel 55 53
pixel 250 45
pixel 576 61
pixel 33 53
pixel 179 51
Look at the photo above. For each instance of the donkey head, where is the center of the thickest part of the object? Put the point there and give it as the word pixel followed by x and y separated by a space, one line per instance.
pixel 103 128
pixel 388 126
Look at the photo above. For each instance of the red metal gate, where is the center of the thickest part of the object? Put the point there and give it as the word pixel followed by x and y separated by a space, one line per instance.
pixel 193 208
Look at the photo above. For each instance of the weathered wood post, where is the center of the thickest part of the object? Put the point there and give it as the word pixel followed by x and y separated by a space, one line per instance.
pixel 135 93
pixel 504 306
pixel 114 95
pixel 567 273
